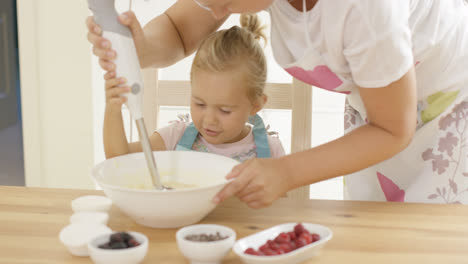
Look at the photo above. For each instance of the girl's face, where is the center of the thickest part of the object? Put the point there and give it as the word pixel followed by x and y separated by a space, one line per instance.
pixel 221 8
pixel 220 106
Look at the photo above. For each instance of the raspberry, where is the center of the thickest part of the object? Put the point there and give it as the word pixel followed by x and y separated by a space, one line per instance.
pixel 270 252
pixel 263 247
pixel 282 238
pixel 292 244
pixel 285 242
pixel 315 237
pixel 298 229
pixel 270 242
pixel 286 247
pixel 307 237
pixel 300 242
pixel 279 251
pixel 274 246
pixel 251 251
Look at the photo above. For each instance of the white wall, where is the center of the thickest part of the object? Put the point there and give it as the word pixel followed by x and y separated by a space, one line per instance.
pixel 57 99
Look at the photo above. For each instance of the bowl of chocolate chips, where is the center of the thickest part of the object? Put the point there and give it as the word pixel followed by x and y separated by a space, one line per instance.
pixel 118 248
pixel 205 243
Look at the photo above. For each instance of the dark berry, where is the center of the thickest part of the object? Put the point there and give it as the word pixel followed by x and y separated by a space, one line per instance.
pixel 132 243
pixel 118 245
pixel 125 236
pixel 105 246
pixel 116 237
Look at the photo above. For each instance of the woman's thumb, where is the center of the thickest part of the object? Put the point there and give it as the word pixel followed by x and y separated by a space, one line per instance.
pixel 128 19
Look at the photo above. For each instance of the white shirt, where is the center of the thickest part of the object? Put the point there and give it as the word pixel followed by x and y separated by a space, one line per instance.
pixel 339 45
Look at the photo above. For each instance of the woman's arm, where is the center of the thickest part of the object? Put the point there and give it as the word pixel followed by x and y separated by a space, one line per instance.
pixel 182 27
pixel 391 113
pixel 165 40
pixel 392 119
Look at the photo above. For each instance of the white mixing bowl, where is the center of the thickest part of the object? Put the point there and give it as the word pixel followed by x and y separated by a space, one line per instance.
pixel 126 181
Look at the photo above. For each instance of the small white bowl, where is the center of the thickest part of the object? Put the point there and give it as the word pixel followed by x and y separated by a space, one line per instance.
pixel 132 255
pixel 296 256
pixel 91 203
pixel 205 252
pixel 90 217
pixel 76 236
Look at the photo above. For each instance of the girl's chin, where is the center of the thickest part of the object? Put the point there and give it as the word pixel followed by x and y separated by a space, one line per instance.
pixel 211 139
pixel 215 140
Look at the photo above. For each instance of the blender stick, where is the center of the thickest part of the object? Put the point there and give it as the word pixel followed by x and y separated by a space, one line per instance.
pixel 128 66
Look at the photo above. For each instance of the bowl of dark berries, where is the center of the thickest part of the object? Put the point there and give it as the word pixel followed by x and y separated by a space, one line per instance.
pixel 286 243
pixel 205 243
pixel 118 248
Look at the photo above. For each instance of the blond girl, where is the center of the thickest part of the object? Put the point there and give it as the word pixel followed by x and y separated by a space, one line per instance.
pixel 228 78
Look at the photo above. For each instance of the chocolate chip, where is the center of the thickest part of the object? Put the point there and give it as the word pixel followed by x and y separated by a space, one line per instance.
pixel 205 237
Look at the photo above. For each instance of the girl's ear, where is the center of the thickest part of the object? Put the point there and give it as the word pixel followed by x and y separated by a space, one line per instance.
pixel 259 104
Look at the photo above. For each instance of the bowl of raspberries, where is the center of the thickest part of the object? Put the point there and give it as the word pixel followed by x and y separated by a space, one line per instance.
pixel 118 247
pixel 286 243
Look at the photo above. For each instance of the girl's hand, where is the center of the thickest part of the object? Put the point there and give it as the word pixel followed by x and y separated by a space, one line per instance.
pixel 115 90
pixel 257 182
pixel 102 46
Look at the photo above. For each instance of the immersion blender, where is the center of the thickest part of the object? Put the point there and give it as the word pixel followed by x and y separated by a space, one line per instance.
pixel 128 66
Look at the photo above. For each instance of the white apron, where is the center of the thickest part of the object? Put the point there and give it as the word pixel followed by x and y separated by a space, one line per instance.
pixel 433 168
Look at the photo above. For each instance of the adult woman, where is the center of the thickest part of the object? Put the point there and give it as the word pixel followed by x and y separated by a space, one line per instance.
pixel 413 51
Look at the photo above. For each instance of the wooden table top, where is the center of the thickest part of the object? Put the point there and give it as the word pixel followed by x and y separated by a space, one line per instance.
pixel 363 232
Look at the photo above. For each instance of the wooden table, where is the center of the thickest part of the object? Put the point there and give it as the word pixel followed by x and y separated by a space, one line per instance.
pixel 363 232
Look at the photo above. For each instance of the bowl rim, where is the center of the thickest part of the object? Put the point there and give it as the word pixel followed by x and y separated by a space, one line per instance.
pixel 293 253
pixel 79 225
pixel 184 230
pixel 98 166
pixel 137 235
pixel 103 217
pixel 104 202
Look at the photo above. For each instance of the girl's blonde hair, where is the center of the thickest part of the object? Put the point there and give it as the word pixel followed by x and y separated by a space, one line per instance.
pixel 236 48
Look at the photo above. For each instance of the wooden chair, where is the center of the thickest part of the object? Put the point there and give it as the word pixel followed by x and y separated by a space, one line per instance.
pixel 295 96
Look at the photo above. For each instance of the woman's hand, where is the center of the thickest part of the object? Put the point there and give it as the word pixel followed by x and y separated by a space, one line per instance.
pixel 257 182
pixel 115 90
pixel 102 47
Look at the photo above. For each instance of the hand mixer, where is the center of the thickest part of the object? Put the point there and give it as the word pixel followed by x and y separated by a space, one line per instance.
pixel 128 66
